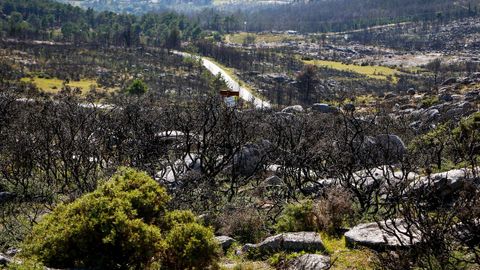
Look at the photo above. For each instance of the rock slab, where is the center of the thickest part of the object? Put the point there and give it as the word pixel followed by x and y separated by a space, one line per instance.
pixel 225 241
pixel 288 242
pixel 310 262
pixel 390 234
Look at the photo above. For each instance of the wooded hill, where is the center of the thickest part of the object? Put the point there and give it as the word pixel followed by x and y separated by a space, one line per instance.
pixel 49 20
pixel 342 15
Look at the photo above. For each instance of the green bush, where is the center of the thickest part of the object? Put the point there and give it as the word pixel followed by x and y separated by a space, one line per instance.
pixel 190 246
pixel 429 101
pixel 177 217
pixel 122 225
pixel 297 217
pixel 469 129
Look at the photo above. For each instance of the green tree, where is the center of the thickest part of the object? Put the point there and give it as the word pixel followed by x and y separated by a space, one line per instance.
pixel 137 87
pixel 306 81
pixel 173 39
pixel 69 30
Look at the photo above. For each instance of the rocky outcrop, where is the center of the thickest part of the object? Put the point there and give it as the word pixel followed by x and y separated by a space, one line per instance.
pixel 383 235
pixel 310 262
pixel 288 242
pixel 445 184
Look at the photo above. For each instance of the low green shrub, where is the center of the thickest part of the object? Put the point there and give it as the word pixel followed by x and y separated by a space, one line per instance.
pixel 297 217
pixel 429 101
pixel 329 213
pixel 137 87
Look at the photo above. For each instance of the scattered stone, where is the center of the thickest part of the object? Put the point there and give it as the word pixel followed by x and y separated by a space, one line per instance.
pixel 411 92
pixel 310 262
pixel 225 241
pixel 391 234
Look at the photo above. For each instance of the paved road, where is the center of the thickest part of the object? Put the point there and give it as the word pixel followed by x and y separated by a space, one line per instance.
pixel 245 94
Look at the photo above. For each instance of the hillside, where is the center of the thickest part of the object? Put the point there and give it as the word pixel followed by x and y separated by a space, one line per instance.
pixel 240 135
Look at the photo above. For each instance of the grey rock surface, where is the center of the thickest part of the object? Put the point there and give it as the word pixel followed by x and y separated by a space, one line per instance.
pixel 225 241
pixel 293 109
pixel 288 242
pixel 389 234
pixel 310 262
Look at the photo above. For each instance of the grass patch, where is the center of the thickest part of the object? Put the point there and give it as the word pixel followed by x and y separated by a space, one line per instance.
pixel 239 38
pixel 247 266
pixel 345 258
pixel 54 85
pixel 375 72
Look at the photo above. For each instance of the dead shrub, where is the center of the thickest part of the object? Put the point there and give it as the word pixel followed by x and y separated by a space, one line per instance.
pixel 334 210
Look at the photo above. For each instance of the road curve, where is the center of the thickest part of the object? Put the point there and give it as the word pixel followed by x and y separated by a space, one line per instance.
pixel 245 94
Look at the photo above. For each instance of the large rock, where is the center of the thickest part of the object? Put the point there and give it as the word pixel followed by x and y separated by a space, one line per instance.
pixel 390 145
pixel 380 176
pixel 225 241
pixel 250 158
pixel 288 242
pixel 4 259
pixel 324 108
pixel 310 262
pixel 390 234
pixel 293 109
pixel 381 149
